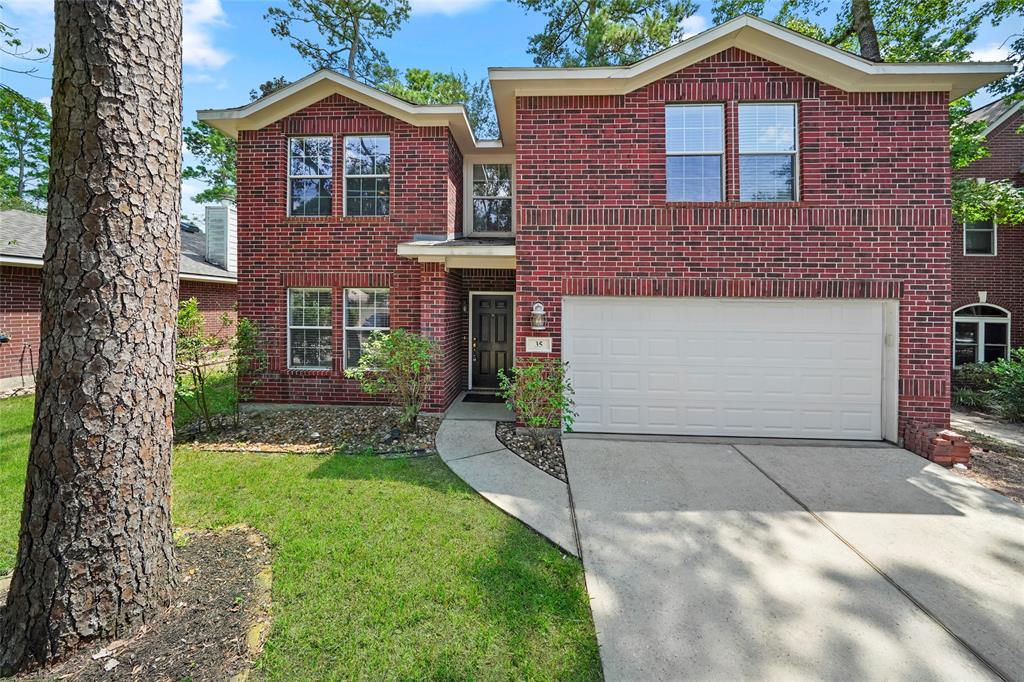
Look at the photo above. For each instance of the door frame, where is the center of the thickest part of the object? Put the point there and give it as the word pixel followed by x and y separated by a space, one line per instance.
pixel 469 339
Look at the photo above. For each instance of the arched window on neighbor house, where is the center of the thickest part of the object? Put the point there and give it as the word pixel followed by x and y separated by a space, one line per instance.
pixel 981 333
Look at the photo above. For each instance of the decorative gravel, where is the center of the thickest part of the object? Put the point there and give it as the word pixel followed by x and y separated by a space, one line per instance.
pixel 547 456
pixel 352 430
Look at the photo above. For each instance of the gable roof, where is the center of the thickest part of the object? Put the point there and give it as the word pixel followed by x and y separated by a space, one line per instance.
pixel 996 113
pixel 23 241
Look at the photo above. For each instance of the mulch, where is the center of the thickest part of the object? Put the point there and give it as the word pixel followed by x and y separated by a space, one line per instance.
pixel 213 630
pixel 352 430
pixel 546 456
pixel 997 466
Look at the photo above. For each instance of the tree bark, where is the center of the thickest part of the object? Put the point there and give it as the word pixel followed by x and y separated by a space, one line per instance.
pixel 864 24
pixel 95 555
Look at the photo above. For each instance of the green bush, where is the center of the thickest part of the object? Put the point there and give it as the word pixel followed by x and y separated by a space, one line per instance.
pixel 976 377
pixel 540 393
pixel 1008 388
pixel 198 354
pixel 248 361
pixel 397 363
pixel 971 399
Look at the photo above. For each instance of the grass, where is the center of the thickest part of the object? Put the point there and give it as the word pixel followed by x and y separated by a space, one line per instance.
pixel 220 398
pixel 382 568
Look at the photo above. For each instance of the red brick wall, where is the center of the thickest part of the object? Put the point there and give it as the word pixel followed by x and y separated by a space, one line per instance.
pixel 873 209
pixel 1002 275
pixel 20 313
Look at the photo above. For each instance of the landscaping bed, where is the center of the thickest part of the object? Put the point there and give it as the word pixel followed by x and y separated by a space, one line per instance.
pixel 214 630
pixel 996 465
pixel 546 455
pixel 352 430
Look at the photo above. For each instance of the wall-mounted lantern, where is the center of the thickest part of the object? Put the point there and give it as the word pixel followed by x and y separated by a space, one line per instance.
pixel 537 319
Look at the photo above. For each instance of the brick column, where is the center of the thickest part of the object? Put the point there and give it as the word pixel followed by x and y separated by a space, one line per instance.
pixel 440 320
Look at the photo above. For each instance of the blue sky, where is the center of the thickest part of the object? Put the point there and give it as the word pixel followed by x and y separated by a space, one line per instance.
pixel 228 49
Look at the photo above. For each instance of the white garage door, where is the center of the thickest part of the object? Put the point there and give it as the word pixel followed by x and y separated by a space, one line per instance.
pixel 726 367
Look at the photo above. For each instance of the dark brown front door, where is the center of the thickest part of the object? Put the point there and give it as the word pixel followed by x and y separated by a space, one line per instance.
pixel 492 338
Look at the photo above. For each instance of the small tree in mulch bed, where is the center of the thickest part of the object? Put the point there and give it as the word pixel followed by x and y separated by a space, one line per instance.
pixel 397 363
pixel 541 395
pixel 197 354
pixel 248 361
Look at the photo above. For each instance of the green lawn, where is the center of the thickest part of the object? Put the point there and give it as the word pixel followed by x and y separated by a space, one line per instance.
pixel 382 569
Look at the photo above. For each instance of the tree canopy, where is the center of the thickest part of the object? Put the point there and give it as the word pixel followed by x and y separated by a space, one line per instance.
pixel 424 86
pixel 24 151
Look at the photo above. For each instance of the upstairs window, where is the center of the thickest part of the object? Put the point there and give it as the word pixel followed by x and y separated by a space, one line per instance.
pixel 492 197
pixel 981 333
pixel 310 167
pixel 767 152
pixel 694 148
pixel 367 175
pixel 980 238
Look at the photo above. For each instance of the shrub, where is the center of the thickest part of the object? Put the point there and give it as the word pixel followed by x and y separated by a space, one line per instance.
pixel 248 361
pixel 396 363
pixel 1008 388
pixel 540 393
pixel 975 376
pixel 971 399
pixel 197 354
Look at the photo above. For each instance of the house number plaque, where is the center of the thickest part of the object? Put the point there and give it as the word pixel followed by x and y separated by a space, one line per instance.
pixel 537 344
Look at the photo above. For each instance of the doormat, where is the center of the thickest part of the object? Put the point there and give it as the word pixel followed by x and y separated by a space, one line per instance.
pixel 482 398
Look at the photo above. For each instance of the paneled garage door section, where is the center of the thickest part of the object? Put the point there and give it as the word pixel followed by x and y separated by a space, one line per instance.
pixel 726 367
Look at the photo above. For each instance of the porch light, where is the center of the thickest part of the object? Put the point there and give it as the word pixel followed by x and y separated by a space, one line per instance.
pixel 537 318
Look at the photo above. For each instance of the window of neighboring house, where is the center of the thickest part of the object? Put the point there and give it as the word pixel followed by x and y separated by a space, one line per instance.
pixel 981 333
pixel 767 152
pixel 366 311
pixel 310 169
pixel 980 238
pixel 492 197
pixel 309 329
pixel 367 175
pixel 694 149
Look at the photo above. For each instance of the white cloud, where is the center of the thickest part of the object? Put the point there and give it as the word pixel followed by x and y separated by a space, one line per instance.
pixel 693 24
pixel 993 52
pixel 190 188
pixel 198 50
pixel 449 7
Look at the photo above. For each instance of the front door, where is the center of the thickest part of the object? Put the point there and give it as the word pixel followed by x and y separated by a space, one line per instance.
pixel 492 338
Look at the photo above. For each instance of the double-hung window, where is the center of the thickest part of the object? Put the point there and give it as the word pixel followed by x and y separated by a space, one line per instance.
pixel 980 238
pixel 366 311
pixel 310 166
pixel 694 148
pixel 981 333
pixel 767 152
pixel 309 328
pixel 367 175
pixel 492 197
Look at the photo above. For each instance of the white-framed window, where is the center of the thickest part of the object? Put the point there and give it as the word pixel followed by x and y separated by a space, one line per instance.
pixel 981 333
pixel 694 152
pixel 367 175
pixel 309 329
pixel 492 198
pixel 366 311
pixel 767 152
pixel 310 175
pixel 980 238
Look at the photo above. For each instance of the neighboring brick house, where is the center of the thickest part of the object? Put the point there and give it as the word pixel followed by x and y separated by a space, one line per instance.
pixel 745 234
pixel 988 259
pixel 22 242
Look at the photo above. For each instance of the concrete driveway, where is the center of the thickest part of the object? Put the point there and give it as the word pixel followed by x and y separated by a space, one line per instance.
pixel 746 561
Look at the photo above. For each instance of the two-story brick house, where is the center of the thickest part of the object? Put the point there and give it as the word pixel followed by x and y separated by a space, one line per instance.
pixel 746 234
pixel 988 258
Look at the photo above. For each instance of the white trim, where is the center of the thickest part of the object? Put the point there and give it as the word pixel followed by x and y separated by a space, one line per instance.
pixel 995 241
pixel 344 319
pixel 981 321
pixel 469 344
pixel 1003 119
pixel 720 154
pixel 345 176
pixel 288 170
pixel 208 278
pixel 468 162
pixel 795 153
pixel 288 330
pixel 891 373
pixel 22 261
pixel 36 263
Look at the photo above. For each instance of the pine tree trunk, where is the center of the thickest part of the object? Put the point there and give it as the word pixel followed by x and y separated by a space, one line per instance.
pixel 864 24
pixel 95 556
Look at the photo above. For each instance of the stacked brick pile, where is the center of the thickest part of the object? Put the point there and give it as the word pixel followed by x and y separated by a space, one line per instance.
pixel 939 445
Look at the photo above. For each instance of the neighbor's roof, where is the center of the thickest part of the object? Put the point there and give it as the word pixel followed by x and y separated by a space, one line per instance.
pixel 23 240
pixel 752 34
pixel 995 114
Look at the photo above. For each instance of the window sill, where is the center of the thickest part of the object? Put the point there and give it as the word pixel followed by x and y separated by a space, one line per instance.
pixel 337 219
pixel 980 255
pixel 736 204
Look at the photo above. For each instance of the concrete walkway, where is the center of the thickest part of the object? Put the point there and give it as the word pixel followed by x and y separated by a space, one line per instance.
pixel 719 561
pixel 470 449
pixel 1012 434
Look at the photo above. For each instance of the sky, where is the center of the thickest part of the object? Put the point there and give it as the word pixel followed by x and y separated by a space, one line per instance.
pixel 228 49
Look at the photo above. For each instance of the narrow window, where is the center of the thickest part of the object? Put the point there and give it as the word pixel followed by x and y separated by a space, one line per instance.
pixel 492 197
pixel 694 146
pixel 366 311
pixel 767 151
pixel 367 175
pixel 310 166
pixel 980 238
pixel 309 328
pixel 981 333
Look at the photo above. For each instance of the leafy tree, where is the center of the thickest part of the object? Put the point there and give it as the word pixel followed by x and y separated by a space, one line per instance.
pixel 96 552
pixel 397 364
pixel 341 34
pixel 12 46
pixel 248 362
pixel 197 353
pixel 268 87
pixel 24 148
pixel 424 86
